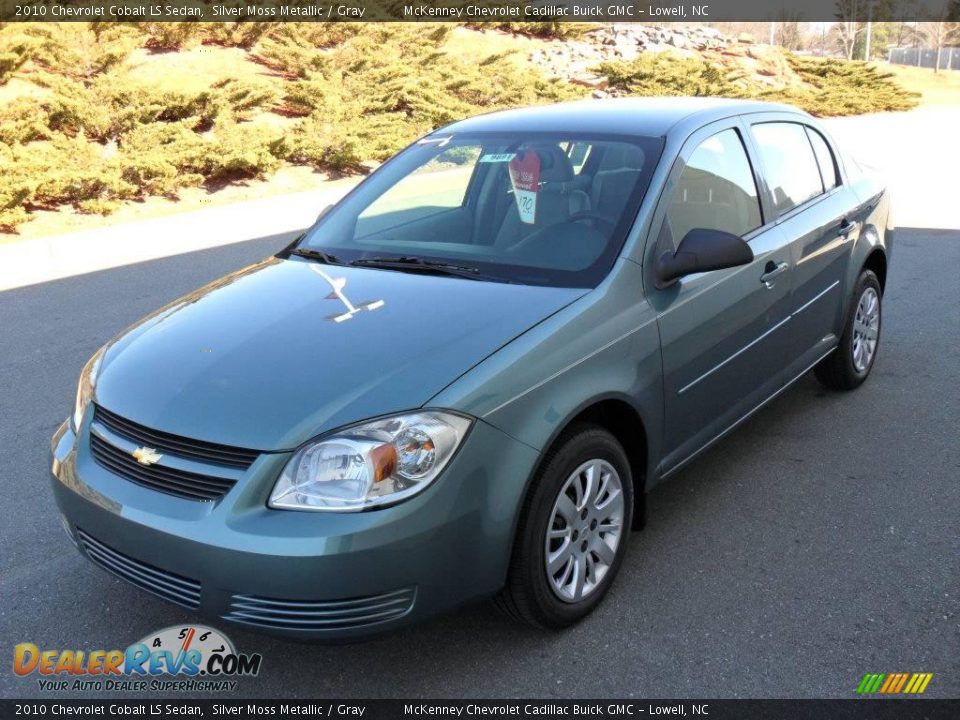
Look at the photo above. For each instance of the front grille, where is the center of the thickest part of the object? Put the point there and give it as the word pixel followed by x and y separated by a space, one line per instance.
pixel 318 616
pixel 174 444
pixel 181 483
pixel 175 588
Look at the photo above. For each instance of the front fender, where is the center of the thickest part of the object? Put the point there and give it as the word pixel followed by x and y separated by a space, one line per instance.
pixel 606 345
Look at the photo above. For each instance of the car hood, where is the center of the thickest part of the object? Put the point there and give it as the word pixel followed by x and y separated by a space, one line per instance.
pixel 274 354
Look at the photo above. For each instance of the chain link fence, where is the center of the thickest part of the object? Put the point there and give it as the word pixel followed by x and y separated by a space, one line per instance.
pixel 926 57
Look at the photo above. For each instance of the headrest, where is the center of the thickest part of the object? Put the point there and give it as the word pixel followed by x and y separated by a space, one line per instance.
pixel 621 156
pixel 555 166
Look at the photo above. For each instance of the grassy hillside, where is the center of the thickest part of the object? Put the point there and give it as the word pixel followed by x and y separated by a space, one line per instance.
pixel 934 88
pixel 94 115
pixel 826 87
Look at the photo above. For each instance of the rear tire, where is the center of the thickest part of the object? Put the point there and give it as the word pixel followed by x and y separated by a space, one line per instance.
pixel 849 365
pixel 573 531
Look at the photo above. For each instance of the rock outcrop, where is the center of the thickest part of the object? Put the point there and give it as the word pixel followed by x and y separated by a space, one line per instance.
pixel 577 59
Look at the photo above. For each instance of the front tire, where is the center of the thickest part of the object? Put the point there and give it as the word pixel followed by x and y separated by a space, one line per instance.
pixel 849 365
pixel 573 531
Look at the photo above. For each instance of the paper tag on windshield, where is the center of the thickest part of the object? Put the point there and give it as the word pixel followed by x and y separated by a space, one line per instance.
pixel 525 176
pixel 497 157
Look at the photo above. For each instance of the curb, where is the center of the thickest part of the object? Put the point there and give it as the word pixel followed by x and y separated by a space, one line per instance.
pixel 40 260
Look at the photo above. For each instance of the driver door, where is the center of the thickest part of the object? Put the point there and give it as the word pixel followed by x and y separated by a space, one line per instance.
pixel 723 333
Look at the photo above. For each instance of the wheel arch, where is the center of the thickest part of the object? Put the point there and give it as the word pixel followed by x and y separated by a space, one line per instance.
pixel 876 261
pixel 622 420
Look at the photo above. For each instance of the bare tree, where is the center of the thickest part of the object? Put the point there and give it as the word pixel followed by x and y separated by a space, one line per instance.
pixel 939 34
pixel 819 40
pixel 789 33
pixel 848 29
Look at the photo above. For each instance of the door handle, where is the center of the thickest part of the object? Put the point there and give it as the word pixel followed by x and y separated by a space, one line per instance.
pixel 846 227
pixel 771 271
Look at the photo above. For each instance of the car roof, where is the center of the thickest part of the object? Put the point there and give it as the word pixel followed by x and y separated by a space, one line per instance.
pixel 642 116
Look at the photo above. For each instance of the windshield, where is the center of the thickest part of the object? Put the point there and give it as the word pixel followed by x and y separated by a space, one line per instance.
pixel 533 208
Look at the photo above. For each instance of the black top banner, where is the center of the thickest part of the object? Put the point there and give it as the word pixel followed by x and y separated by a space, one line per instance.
pixel 656 11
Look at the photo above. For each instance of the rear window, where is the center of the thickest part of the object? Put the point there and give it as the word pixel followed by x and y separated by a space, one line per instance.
pixel 789 164
pixel 828 168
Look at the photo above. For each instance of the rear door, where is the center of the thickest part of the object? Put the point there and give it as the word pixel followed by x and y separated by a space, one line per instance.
pixel 817 213
pixel 723 335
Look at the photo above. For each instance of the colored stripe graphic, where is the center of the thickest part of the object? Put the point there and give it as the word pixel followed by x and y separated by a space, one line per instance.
pixel 903 681
pixel 870 683
pixel 918 683
pixel 894 683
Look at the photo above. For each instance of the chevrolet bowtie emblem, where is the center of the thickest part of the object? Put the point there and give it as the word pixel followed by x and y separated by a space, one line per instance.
pixel 146 456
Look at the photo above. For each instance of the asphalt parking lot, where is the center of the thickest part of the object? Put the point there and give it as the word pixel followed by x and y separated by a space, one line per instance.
pixel 818 542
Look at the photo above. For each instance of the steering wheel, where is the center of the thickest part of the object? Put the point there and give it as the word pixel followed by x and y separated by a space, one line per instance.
pixel 598 220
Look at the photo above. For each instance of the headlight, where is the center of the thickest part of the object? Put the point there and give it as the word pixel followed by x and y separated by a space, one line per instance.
pixel 88 381
pixel 369 465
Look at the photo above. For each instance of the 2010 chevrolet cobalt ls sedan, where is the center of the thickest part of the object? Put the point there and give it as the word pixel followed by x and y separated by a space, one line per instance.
pixel 463 379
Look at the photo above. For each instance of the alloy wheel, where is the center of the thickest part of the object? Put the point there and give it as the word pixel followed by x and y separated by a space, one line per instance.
pixel 866 329
pixel 585 529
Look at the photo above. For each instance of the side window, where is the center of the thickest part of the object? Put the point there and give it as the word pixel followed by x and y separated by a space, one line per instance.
pixel 716 190
pixel 828 168
pixel 579 153
pixel 788 162
pixel 444 180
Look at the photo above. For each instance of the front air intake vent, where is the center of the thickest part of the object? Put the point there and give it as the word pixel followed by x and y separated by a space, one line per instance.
pixel 174 588
pixel 317 616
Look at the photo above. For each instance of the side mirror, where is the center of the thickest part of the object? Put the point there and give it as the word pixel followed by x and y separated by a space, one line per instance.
pixel 702 250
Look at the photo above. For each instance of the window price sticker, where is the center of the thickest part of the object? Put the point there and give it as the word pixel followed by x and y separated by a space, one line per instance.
pixel 525 176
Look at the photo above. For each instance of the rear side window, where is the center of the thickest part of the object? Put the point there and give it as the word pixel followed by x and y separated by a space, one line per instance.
pixel 579 153
pixel 715 190
pixel 789 164
pixel 828 168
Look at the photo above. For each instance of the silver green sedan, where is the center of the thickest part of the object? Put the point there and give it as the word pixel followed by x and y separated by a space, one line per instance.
pixel 464 378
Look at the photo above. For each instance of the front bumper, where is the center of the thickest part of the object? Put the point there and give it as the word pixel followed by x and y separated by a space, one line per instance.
pixel 324 575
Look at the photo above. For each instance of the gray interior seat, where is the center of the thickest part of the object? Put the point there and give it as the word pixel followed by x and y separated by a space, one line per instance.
pixel 704 200
pixel 561 194
pixel 611 187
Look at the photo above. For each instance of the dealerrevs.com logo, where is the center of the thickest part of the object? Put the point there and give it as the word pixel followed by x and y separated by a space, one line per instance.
pixel 191 658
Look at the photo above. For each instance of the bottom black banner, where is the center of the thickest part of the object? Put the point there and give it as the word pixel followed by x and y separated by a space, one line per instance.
pixel 885 709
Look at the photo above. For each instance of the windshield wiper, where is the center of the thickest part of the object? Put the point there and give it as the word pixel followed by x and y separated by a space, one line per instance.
pixel 320 255
pixel 417 264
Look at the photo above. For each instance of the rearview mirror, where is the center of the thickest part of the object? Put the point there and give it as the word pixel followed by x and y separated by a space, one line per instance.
pixel 702 250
